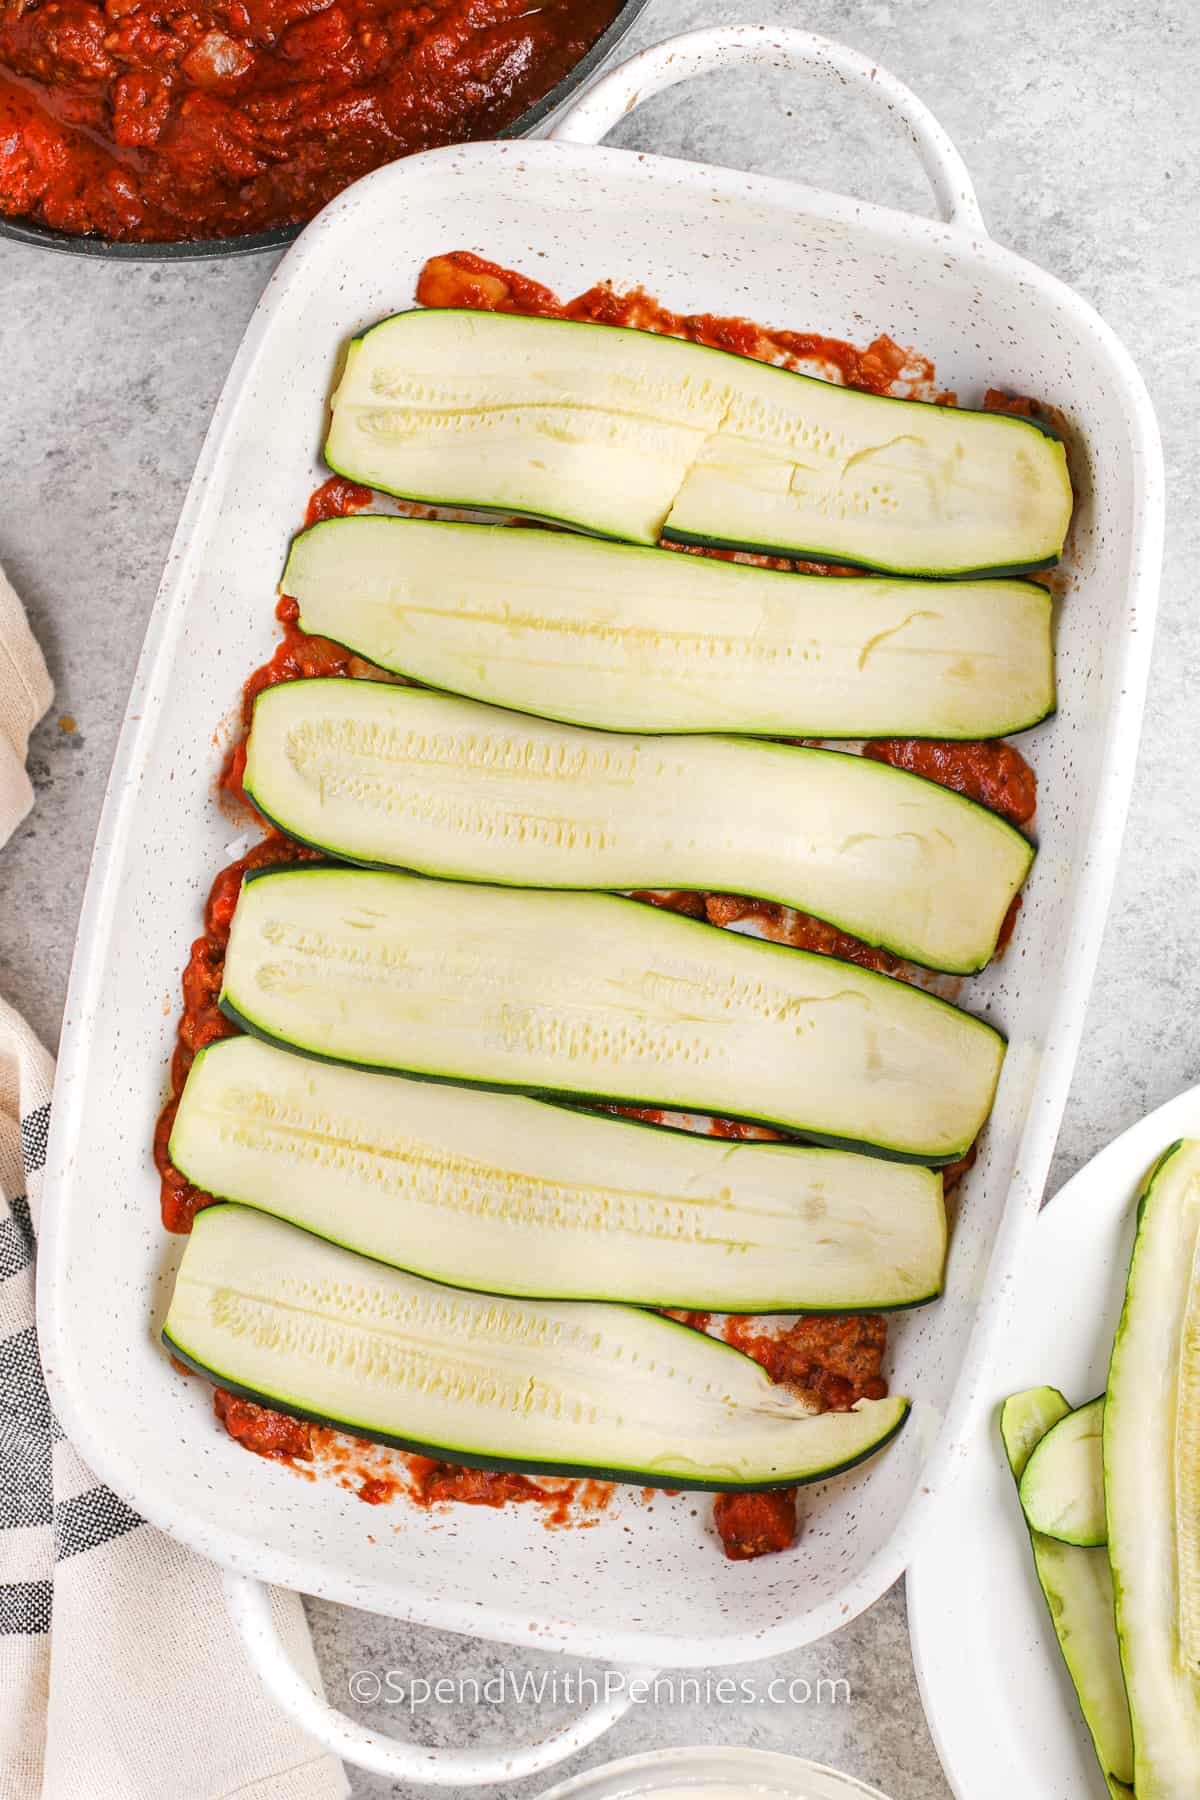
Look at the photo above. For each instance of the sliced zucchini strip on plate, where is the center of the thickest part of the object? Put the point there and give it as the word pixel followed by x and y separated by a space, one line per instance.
pixel 1152 1480
pixel 1078 1586
pixel 630 639
pixel 638 436
pixel 404 778
pixel 1062 1489
pixel 572 1388
pixel 594 996
pixel 495 1191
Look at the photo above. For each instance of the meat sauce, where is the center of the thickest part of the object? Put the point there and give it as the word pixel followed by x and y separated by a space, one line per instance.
pixel 149 121
pixel 202 1020
pixel 377 1476
pixel 464 279
pixel 784 925
pixel 993 773
pixel 271 1434
pixel 752 1525
pixel 833 1361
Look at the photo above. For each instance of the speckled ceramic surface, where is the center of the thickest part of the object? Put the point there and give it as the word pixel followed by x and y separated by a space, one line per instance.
pixel 639 1587
pixel 996 1692
pixel 709 1774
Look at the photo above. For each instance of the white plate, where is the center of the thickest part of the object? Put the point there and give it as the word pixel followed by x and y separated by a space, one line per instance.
pixel 999 1701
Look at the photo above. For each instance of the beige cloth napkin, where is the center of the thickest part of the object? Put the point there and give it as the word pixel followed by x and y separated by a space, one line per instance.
pixel 121 1677
pixel 25 693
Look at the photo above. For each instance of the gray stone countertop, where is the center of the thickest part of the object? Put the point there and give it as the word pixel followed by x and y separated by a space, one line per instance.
pixel 1081 127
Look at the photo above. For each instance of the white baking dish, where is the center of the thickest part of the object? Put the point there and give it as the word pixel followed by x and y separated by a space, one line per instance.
pixel 699 238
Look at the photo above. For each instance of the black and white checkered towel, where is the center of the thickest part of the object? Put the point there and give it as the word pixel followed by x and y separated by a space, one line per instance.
pixel 120 1674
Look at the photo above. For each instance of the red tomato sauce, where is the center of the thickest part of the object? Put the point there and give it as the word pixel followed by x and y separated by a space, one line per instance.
pixel 835 1361
pixel 464 279
pixel 784 925
pixel 377 1475
pixel 336 498
pixel 202 1020
pixel 145 121
pixel 993 773
pixel 752 1525
pixel 271 1434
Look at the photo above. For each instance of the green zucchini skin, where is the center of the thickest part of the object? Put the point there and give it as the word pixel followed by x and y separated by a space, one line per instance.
pixel 1078 1589
pixel 450 407
pixel 490 1190
pixel 558 1097
pixel 400 778
pixel 1062 1489
pixel 620 637
pixel 559 945
pixel 552 1096
pixel 370 1334
pixel 470 1459
pixel 695 540
pixel 1152 1478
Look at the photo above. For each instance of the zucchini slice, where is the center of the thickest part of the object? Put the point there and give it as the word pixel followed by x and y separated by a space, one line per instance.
pixel 1152 1480
pixel 593 996
pixel 630 639
pixel 1062 1489
pixel 633 435
pixel 495 1191
pixel 401 777
pixel 569 1389
pixel 1078 1586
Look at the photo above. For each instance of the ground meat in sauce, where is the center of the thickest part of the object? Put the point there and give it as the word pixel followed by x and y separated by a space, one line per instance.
pixel 461 278
pixel 680 900
pixel 258 1428
pixel 783 925
pixel 1008 925
pixel 996 400
pixel 993 773
pixel 744 1131
pixel 953 1172
pixel 779 924
pixel 436 1482
pixel 379 1490
pixel 202 1020
pixel 835 1361
pixel 142 122
pixel 377 1475
pixel 835 1358
pixel 752 1525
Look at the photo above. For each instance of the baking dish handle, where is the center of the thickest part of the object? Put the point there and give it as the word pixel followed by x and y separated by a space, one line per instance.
pixel 780 47
pixel 249 1604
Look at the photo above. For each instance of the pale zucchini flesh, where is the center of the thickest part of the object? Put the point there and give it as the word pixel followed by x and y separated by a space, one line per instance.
pixel 1152 1480
pixel 638 436
pixel 406 778
pixel 632 639
pixel 594 996
pixel 495 1191
pixel 1078 1587
pixel 560 1388
pixel 1062 1489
